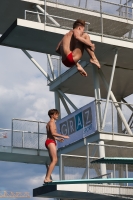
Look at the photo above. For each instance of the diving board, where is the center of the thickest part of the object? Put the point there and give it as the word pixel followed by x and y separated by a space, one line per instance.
pixel 72 191
pixel 94 181
pixel 114 160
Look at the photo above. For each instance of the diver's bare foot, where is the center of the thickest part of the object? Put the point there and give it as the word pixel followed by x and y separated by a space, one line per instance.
pixel 81 70
pixel 46 180
pixel 95 61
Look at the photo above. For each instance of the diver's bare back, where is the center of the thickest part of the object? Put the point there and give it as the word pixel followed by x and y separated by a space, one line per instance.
pixel 67 44
pixel 49 134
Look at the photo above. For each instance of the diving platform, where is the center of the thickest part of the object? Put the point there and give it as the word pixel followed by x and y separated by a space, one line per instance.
pixel 91 191
pixel 24 143
pixel 24 155
pixel 67 11
pixel 114 160
pixel 79 147
pixel 30 35
pixel 122 84
pixel 88 181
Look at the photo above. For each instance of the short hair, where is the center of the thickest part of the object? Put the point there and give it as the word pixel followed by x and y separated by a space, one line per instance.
pixel 78 22
pixel 52 112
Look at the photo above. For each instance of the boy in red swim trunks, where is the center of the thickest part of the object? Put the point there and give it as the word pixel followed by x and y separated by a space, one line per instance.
pixel 50 143
pixel 72 46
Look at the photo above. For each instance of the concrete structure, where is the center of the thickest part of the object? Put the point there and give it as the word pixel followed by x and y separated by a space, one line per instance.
pixel 38 25
pixel 95 192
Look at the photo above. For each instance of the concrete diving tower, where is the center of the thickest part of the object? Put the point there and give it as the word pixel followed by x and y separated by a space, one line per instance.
pixel 40 28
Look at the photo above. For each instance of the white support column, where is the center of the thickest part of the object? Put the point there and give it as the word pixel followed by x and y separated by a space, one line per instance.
pixel 120 8
pixel 57 103
pixel 45 8
pixel 119 122
pixel 101 14
pixel 130 34
pixel 65 105
pixel 101 155
pixel 127 9
pixel 38 16
pixel 114 171
pixel 121 173
pixel 109 89
pixel 116 104
pixel 97 96
pixel 47 15
pixel 61 168
pixel 51 65
pixel 36 64
pixel 126 175
pixel 88 161
pixel 68 100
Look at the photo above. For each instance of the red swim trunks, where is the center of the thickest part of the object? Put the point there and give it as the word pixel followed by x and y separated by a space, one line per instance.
pixel 69 62
pixel 48 141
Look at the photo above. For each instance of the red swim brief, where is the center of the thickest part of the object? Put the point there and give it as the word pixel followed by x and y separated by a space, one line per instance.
pixel 48 141
pixel 69 62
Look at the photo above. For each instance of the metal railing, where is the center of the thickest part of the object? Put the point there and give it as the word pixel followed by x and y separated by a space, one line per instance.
pixel 96 151
pixel 71 166
pixel 113 123
pixel 58 16
pixel 58 67
pixel 80 167
pixel 25 134
pixel 28 134
pixel 74 167
pixel 99 5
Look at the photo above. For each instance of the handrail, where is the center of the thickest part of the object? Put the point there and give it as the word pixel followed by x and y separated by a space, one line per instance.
pixel 116 4
pixel 29 120
pixel 26 11
pixel 102 175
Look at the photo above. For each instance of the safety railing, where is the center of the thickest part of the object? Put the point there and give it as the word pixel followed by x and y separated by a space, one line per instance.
pixel 59 16
pixel 58 67
pixel 121 8
pixel 113 123
pixel 24 134
pixel 74 167
pixel 51 19
pixel 96 151
pixel 28 134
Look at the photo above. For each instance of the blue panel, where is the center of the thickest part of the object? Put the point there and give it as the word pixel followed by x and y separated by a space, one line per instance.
pixel 79 121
